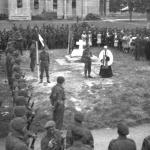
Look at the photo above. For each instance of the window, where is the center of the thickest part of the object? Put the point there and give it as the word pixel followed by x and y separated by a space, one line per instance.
pixel 36 4
pixel 19 3
pixel 55 5
pixel 73 3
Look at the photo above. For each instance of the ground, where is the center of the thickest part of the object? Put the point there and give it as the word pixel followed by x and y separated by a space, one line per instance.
pixel 104 102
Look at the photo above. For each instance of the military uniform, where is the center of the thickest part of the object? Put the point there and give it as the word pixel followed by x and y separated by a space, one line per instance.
pixel 32 57
pixel 52 140
pixel 15 139
pixel 57 98
pixel 86 58
pixel 76 130
pixel 122 142
pixel 44 64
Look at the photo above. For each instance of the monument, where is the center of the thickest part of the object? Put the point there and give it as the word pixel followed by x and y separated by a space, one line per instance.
pixel 76 54
pixel 19 10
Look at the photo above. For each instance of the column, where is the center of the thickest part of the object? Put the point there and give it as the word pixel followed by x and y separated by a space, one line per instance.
pixel 65 9
pixel 49 5
pixel 69 8
pixel 79 8
pixel 85 6
pixel 60 9
pixel 107 7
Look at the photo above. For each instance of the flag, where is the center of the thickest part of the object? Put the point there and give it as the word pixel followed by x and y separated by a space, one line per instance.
pixel 41 40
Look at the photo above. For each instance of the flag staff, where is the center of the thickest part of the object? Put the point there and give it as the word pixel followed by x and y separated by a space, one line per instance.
pixel 37 61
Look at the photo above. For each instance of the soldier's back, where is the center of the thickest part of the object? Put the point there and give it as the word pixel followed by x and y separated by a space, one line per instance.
pixel 122 144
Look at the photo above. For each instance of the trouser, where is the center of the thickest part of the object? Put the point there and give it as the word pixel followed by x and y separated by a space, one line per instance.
pixel 32 64
pixel 44 67
pixel 87 69
pixel 58 115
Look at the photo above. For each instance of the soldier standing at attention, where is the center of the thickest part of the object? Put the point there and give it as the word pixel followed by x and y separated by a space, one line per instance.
pixel 122 142
pixel 57 99
pixel 44 64
pixel 32 56
pixel 86 58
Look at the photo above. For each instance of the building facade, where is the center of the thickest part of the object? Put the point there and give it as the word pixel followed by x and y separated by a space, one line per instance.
pixel 63 8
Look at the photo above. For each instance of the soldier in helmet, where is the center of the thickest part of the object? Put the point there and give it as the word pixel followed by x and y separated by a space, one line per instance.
pixel 52 140
pixel 57 99
pixel 86 58
pixel 87 138
pixel 122 142
pixel 15 139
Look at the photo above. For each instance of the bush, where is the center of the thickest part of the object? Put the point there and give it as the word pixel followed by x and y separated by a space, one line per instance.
pixel 91 16
pixel 45 16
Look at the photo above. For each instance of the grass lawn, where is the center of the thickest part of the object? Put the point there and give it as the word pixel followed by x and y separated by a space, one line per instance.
pixel 124 97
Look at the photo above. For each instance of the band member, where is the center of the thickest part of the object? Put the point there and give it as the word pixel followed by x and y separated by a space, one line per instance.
pixel 106 60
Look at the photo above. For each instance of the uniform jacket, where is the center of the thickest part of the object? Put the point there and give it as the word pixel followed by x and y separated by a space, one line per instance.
pixel 122 143
pixel 57 141
pixel 57 95
pixel 15 141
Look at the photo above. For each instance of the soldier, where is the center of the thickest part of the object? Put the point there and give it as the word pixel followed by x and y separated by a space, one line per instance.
pixel 122 142
pixel 86 58
pixel 32 56
pixel 15 139
pixel 78 135
pixel 146 143
pixel 44 64
pixel 87 138
pixel 52 140
pixel 57 99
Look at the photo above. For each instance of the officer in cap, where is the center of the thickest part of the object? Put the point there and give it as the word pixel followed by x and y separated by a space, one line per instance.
pixel 87 138
pixel 122 142
pixel 52 139
pixel 15 139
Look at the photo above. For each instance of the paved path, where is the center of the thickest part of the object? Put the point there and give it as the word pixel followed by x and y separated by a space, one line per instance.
pixel 102 137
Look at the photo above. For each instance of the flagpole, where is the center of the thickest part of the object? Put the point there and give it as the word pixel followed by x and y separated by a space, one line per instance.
pixel 37 61
pixel 69 40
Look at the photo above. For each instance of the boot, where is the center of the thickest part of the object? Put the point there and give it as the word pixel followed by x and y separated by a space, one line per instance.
pixel 48 80
pixel 41 80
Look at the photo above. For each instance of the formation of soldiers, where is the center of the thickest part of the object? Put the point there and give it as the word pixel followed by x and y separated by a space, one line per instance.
pixel 23 113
